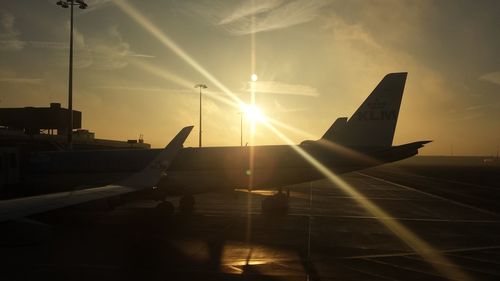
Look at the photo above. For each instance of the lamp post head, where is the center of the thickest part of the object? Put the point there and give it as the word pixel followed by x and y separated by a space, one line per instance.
pixel 201 86
pixel 66 3
pixel 63 4
pixel 81 4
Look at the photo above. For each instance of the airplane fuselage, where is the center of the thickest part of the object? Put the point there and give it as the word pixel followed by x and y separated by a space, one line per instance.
pixel 362 141
pixel 197 170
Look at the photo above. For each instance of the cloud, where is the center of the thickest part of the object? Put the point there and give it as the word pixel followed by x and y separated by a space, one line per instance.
pixel 281 108
pixel 107 53
pixel 47 44
pixel 11 44
pixel 249 8
pixel 483 106
pixel 354 34
pixel 259 16
pixel 275 87
pixel 8 34
pixel 9 37
pixel 470 116
pixel 493 77
pixel 21 80
pixel 143 89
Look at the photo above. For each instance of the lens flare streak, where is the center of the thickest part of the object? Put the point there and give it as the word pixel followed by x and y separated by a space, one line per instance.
pixel 167 75
pixel 431 255
pixel 169 43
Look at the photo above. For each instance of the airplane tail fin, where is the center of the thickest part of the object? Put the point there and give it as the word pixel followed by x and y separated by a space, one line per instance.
pixel 374 123
pixel 335 129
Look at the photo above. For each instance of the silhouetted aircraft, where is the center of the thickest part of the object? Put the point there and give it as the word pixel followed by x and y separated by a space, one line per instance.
pixel 144 179
pixel 362 141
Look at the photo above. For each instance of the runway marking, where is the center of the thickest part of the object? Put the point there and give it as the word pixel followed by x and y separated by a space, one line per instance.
pixel 407 268
pixel 432 195
pixel 224 214
pixel 448 190
pixel 447 180
pixel 472 249
pixel 406 219
pixel 367 272
pixel 402 254
pixel 464 267
pixel 80 265
pixel 375 198
pixel 475 259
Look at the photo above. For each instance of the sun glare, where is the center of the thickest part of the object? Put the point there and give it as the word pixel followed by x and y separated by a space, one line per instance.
pixel 253 113
pixel 254 77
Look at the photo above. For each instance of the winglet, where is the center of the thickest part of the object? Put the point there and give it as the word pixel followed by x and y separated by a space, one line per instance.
pixel 146 178
pixel 150 175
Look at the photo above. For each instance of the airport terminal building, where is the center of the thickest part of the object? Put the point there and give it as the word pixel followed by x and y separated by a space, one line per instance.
pixel 35 129
pixel 45 129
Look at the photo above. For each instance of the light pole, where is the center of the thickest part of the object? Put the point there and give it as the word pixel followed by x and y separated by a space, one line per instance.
pixel 201 86
pixel 241 127
pixel 69 4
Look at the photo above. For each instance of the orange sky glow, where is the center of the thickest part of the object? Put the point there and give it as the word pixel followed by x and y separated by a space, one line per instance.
pixel 305 63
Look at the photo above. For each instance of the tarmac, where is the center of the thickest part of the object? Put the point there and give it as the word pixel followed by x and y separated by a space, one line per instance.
pixel 427 219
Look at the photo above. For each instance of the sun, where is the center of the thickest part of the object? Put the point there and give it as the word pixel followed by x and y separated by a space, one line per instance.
pixel 253 113
pixel 254 77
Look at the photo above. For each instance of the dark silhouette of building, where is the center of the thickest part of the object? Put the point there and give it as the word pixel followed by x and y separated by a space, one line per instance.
pixel 36 120
pixel 45 128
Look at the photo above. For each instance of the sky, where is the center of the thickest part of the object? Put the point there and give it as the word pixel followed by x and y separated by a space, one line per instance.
pixel 136 64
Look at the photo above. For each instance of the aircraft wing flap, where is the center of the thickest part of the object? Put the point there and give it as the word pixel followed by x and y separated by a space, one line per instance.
pixel 16 208
pixel 146 178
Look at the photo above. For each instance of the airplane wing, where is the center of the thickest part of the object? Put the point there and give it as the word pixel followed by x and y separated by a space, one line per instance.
pixel 146 178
